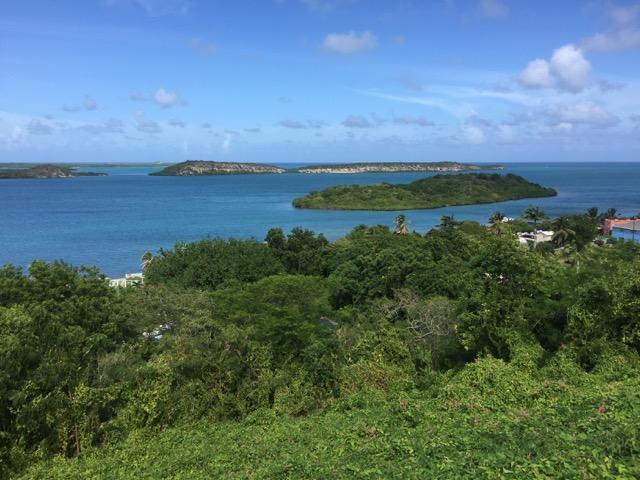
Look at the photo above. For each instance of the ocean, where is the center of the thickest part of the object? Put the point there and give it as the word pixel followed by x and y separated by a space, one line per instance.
pixel 111 221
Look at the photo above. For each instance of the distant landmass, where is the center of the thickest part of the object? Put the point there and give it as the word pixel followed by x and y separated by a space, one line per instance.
pixel 372 167
pixel 205 167
pixel 433 192
pixel 46 171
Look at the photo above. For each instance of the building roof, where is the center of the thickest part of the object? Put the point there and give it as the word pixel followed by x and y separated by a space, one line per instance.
pixel 627 225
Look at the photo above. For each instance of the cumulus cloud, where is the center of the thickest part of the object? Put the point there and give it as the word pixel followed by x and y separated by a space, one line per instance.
pixel 567 69
pixel 206 125
pixel 493 8
pixel 166 99
pixel 409 120
pixel 252 130
pixel 36 127
pixel 607 86
pixel 350 43
pixel 174 122
pixel 88 103
pixel 202 47
pixel 298 124
pixel 146 125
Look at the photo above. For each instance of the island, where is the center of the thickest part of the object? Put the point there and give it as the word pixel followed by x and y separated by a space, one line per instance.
pixel 372 167
pixel 46 171
pixel 207 167
pixel 432 192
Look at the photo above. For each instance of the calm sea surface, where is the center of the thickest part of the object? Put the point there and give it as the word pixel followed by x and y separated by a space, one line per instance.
pixel 110 221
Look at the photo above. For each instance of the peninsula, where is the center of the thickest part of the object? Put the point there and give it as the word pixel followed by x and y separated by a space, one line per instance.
pixel 46 171
pixel 206 167
pixel 432 192
pixel 371 167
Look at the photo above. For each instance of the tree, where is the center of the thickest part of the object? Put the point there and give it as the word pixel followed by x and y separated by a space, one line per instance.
pixel 534 214
pixel 402 226
pixel 610 214
pixel 593 213
pixel 562 231
pixel 447 221
pixel 496 222
pixel 146 260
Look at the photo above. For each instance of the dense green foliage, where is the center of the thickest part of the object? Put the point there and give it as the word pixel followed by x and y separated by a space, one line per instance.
pixel 430 192
pixel 454 354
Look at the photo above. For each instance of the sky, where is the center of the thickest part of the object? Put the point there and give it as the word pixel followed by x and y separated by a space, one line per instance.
pixel 279 81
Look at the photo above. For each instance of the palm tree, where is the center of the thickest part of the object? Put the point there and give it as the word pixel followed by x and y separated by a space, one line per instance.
pixel 447 221
pixel 610 214
pixel 402 226
pixel 592 213
pixel 496 222
pixel 562 231
pixel 146 260
pixel 534 214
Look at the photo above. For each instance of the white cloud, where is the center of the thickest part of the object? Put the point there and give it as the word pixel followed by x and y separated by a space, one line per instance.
pixel 360 121
pixel 36 127
pixel 537 74
pixel 409 120
pixel 493 8
pixel 113 125
pixel 298 124
pixel 473 134
pixel 616 40
pixel 166 99
pixel 583 113
pixel 226 142
pixel 567 69
pixel 88 103
pixel 570 68
pixel 145 125
pixel 350 43
pixel 622 15
pixel 136 96
pixel 174 122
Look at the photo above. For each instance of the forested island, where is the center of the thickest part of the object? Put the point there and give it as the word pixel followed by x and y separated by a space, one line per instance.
pixel 390 167
pixel 432 192
pixel 206 167
pixel 46 171
pixel 453 353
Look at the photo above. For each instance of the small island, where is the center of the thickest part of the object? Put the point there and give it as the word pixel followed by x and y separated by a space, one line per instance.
pixel 372 167
pixel 207 167
pixel 432 192
pixel 46 171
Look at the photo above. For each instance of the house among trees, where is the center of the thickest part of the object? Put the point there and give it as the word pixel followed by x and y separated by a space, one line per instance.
pixel 534 238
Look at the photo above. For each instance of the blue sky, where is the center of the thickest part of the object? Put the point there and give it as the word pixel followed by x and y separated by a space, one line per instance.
pixel 319 80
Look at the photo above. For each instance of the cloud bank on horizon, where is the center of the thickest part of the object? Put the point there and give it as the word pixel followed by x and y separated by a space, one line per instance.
pixel 320 80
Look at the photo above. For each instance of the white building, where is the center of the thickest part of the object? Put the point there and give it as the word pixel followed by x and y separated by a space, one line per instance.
pixel 534 238
pixel 129 280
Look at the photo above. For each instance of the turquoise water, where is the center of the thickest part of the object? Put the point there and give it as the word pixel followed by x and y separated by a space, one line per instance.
pixel 110 221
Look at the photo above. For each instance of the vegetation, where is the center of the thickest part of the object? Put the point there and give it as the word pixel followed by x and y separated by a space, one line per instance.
pixel 431 192
pixel 45 171
pixel 206 167
pixel 396 167
pixel 453 354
